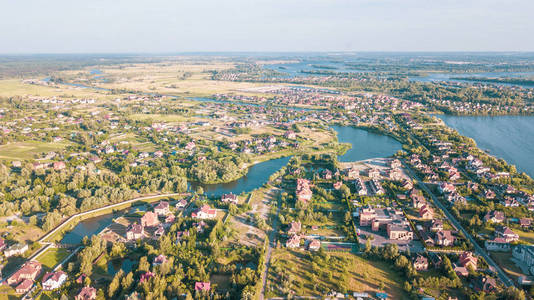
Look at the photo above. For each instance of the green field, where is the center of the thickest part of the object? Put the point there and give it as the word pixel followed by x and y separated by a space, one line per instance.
pixel 363 275
pixel 27 150
pixel 52 257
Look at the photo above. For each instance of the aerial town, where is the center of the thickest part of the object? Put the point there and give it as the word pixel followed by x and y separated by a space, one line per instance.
pixel 260 178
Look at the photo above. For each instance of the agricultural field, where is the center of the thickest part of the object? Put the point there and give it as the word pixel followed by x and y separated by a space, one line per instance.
pixel 29 149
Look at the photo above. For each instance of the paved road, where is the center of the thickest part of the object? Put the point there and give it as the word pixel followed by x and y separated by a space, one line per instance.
pixel 479 250
pixel 272 242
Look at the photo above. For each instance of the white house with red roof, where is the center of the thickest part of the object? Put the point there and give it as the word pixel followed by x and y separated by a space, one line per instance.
pixel 205 212
pixel 53 280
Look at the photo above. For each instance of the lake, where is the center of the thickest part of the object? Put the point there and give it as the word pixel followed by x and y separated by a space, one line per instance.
pixel 257 175
pixel 508 137
pixel 365 144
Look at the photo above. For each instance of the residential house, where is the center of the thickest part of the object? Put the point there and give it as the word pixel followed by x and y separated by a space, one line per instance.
pixel 506 234
pixel 293 241
pixel 29 270
pixel 494 216
pixel 86 293
pixel 426 212
pixel 485 284
pixel 150 219
pixel 159 260
pixel 16 249
pixel 444 238
pixel 303 191
pixel 468 259
pixel 53 280
pixel 420 263
pixel 162 208
pixel 59 165
pixel 205 212
pixel 202 286
pixel 294 227
pixel 229 198
pixel 314 245
pixel 135 231
pixel 24 286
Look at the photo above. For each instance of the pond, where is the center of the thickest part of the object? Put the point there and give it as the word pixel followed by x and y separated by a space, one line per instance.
pixel 365 144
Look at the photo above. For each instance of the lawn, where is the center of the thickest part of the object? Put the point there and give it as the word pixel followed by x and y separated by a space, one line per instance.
pixel 27 150
pixel 525 236
pixel 52 257
pixel 503 260
pixel 363 275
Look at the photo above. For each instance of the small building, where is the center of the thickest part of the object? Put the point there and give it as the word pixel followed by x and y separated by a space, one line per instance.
pixel 159 260
pixel 162 208
pixel 314 245
pixel 135 231
pixel 150 219
pixel 420 263
pixel 202 286
pixel 16 249
pixel 229 198
pixel 86 293
pixel 293 241
pixel 294 227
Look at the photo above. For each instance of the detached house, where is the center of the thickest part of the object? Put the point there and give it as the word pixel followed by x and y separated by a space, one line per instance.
pixel 150 219
pixel 294 227
pixel 29 270
pixel 53 280
pixel 162 208
pixel 205 212
pixel 303 191
pixel 86 293
pixel 135 232
pixel 494 216
pixel 420 263
pixel 293 241
pixel 229 198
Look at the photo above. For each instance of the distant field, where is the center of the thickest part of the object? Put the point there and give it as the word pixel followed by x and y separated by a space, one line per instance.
pixel 158 117
pixel 15 87
pixel 27 150
pixel 52 257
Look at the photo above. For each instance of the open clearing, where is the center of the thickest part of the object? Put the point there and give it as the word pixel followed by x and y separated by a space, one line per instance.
pixel 363 275
pixel 52 257
pixel 27 150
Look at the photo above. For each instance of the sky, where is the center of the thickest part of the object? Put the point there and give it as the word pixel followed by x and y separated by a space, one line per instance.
pixel 171 26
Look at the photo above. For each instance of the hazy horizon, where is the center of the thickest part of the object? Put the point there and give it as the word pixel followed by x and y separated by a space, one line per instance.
pixel 239 26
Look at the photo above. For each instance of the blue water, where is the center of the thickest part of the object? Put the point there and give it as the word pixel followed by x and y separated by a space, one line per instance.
pixel 257 175
pixel 365 144
pixel 88 228
pixel 508 137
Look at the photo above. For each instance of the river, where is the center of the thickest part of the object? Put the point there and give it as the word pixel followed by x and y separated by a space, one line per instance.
pixel 507 137
pixel 365 145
